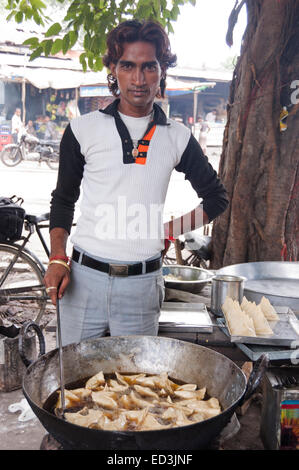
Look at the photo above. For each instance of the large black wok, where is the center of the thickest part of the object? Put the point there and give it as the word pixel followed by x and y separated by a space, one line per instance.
pixel 183 361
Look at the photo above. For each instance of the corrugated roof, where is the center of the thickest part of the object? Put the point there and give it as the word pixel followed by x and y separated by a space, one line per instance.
pixel 218 75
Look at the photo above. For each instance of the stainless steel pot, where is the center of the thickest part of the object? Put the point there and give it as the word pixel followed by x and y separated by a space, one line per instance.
pixel 277 280
pixel 183 361
pixel 223 286
pixel 190 278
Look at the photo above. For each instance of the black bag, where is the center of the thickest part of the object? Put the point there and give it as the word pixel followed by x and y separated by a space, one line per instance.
pixel 11 218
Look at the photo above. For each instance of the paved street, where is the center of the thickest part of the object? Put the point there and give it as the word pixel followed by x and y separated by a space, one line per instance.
pixel 34 182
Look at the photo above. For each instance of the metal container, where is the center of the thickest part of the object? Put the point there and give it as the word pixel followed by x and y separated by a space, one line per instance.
pixel 11 366
pixel 285 331
pixel 280 409
pixel 133 354
pixel 189 278
pixel 276 280
pixel 225 286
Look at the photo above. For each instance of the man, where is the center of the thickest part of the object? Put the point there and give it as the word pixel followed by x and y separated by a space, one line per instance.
pixel 123 156
pixel 50 132
pixel 30 128
pixel 204 128
pixel 16 125
pixel 211 116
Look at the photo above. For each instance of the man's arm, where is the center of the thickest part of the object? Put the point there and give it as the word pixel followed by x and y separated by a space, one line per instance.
pixel 204 180
pixel 64 197
pixel 67 191
pixel 57 275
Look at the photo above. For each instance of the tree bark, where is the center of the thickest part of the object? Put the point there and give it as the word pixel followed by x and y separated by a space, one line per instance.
pixel 259 163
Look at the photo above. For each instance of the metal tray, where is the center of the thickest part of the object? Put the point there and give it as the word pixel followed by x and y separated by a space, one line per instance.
pixel 274 353
pixel 276 280
pixel 185 317
pixel 286 331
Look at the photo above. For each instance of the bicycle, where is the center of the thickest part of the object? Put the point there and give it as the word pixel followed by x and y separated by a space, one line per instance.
pixel 190 250
pixel 23 295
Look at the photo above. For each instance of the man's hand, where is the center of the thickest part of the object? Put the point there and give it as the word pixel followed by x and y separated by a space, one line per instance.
pixel 56 281
pixel 57 276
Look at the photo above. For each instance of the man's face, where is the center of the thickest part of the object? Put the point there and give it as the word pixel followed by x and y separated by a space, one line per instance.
pixel 138 74
pixel 18 112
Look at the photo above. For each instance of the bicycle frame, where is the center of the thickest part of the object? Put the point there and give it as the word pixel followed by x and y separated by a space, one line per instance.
pixel 31 227
pixel 25 292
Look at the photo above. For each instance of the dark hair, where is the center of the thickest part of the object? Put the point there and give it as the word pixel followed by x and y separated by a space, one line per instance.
pixel 132 31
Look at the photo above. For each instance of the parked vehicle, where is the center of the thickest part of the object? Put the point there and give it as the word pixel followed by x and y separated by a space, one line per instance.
pixel 191 249
pixel 30 148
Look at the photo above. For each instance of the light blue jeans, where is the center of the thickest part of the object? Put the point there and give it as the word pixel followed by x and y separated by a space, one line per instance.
pixel 95 304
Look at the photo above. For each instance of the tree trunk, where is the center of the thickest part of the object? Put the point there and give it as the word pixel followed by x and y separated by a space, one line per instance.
pixel 259 162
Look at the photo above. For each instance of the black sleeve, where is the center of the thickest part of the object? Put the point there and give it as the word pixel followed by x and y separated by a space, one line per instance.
pixel 203 178
pixel 67 191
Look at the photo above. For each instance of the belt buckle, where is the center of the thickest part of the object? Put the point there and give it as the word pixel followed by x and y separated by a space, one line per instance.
pixel 118 270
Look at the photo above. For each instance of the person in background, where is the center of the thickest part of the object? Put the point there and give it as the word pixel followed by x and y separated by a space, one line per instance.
pixel 203 134
pixel 61 110
pixel 30 128
pixel 16 125
pixel 211 116
pixel 50 132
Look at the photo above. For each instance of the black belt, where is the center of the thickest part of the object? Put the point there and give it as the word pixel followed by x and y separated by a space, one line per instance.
pixel 117 269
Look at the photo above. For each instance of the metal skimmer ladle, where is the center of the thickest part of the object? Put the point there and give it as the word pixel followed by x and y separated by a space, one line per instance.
pixel 62 398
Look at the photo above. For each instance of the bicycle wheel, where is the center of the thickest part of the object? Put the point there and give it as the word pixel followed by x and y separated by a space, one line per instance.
pixel 53 161
pixel 22 293
pixel 11 156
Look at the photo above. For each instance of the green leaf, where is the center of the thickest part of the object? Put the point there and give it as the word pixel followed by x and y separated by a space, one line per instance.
pixel 90 57
pixel 11 14
pixel 53 30
pixel 23 6
pixel 65 43
pixel 37 4
pixel 56 46
pixel 98 64
pixel 19 17
pixel 37 18
pixel 82 59
pixel 73 36
pixel 170 28
pixel 37 53
pixel 74 6
pixel 48 47
pixel 31 42
pixel 28 14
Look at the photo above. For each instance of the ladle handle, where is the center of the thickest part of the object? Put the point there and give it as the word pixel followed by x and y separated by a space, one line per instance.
pixel 255 377
pixel 61 368
pixel 42 345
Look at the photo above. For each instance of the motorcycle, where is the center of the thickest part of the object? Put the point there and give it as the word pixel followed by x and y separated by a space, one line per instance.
pixel 30 148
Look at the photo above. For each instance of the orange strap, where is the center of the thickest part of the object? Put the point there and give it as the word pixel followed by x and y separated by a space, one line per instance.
pixel 144 148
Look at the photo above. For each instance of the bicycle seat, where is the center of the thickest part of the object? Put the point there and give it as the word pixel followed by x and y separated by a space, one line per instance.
pixel 54 143
pixel 36 219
